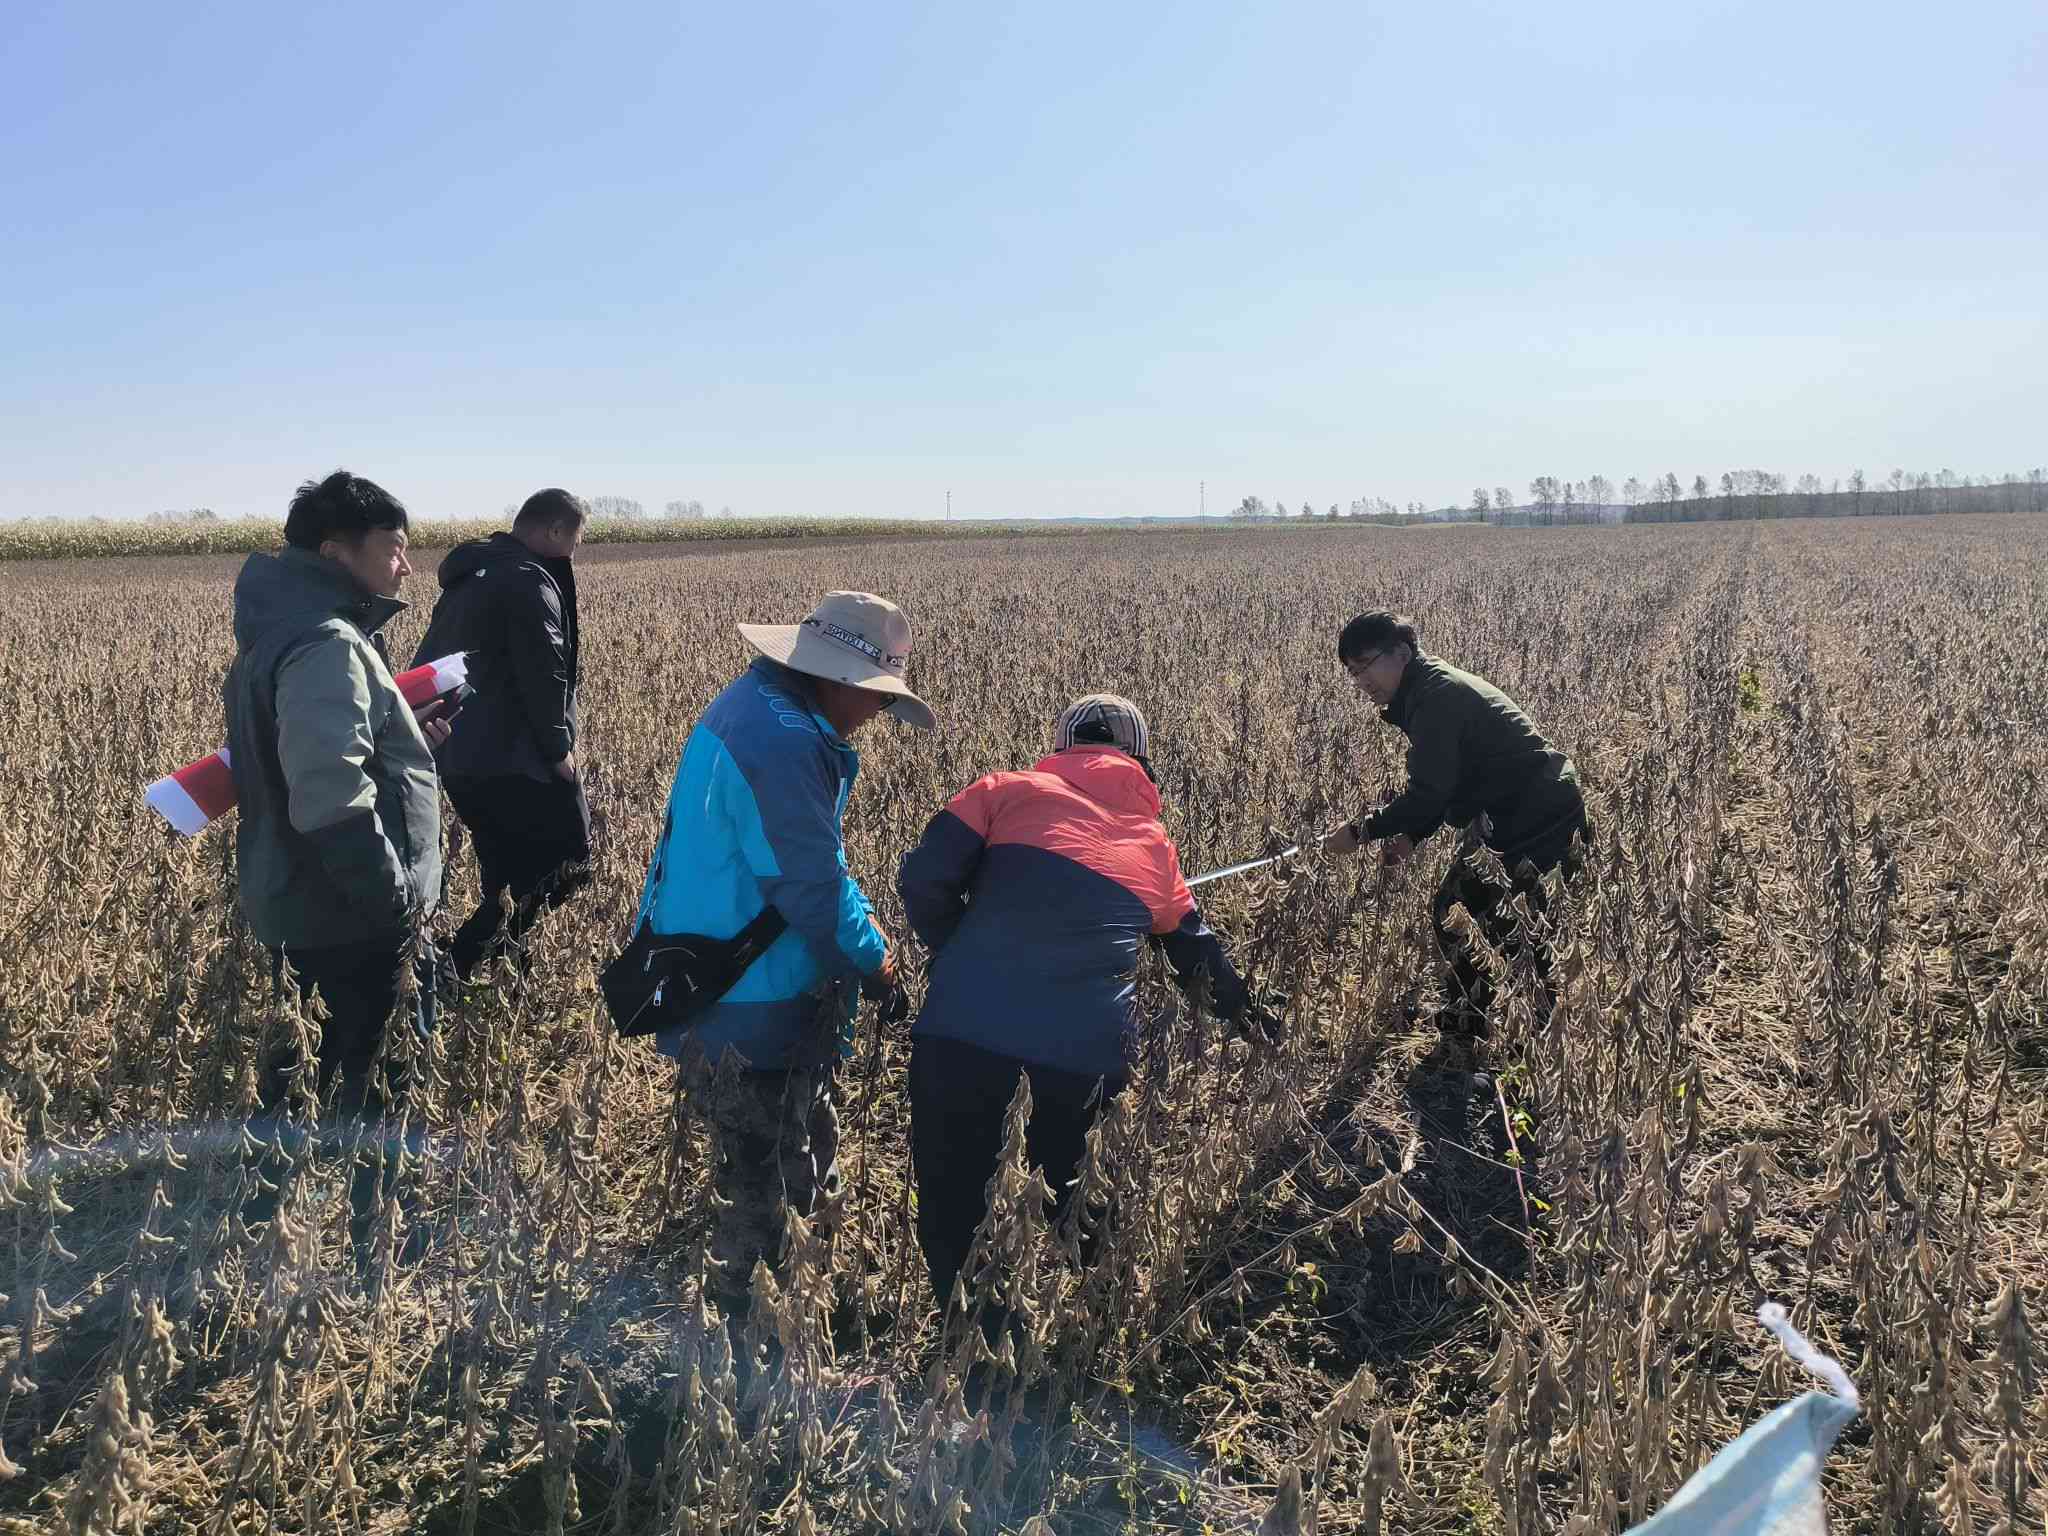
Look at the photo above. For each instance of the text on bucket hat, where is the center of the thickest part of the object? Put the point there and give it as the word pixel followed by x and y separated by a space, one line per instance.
pixel 1102 719
pixel 854 638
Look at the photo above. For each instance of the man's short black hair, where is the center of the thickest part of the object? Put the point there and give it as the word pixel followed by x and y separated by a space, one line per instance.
pixel 550 509
pixel 1376 631
pixel 343 506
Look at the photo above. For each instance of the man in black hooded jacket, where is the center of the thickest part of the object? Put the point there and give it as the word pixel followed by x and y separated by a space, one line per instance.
pixel 509 601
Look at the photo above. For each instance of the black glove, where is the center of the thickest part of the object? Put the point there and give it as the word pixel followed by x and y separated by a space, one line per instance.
pixel 891 996
pixel 1255 1021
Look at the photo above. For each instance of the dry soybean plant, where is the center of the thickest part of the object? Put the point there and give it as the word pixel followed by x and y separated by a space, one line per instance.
pixel 1793 1045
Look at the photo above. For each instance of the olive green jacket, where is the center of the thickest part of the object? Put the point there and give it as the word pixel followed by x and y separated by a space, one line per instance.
pixel 339 840
pixel 1472 752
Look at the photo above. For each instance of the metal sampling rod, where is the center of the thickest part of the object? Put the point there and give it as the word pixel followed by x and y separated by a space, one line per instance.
pixel 1244 868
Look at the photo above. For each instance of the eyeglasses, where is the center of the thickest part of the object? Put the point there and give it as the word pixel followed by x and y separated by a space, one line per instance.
pixel 1358 666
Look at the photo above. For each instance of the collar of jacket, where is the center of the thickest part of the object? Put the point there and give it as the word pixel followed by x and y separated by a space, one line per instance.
pixel 791 681
pixel 472 557
pixel 557 568
pixel 1396 712
pixel 1107 776
pixel 328 585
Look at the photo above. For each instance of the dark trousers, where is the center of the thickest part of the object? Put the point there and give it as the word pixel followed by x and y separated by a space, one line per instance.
pixel 1490 899
pixel 531 839
pixel 359 985
pixel 958 1096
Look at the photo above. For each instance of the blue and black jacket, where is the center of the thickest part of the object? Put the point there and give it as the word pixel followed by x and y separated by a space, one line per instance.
pixel 1036 891
pixel 754 821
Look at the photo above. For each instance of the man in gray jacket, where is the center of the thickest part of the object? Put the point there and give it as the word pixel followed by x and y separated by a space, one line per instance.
pixel 339 839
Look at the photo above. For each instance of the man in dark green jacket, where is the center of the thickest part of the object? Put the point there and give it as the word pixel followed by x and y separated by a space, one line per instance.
pixel 339 837
pixel 1474 760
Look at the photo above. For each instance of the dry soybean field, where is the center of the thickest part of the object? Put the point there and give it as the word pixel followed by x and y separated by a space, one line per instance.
pixel 1798 1051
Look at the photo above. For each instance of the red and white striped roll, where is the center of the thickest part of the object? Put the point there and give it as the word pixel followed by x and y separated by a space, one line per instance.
pixel 195 794
pixel 424 684
pixel 199 793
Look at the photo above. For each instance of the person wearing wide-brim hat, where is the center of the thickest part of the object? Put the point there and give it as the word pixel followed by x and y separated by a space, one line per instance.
pixel 754 821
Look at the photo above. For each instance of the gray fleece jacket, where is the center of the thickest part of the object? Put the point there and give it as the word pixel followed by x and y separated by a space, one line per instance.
pixel 339 840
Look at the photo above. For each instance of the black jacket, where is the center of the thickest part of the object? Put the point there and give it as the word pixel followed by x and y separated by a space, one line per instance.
pixel 514 612
pixel 1471 750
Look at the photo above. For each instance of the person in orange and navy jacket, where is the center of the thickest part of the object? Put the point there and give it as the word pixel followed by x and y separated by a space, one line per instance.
pixel 1034 891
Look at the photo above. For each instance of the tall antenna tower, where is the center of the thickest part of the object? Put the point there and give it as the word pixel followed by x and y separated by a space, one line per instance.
pixel 949 506
pixel 1202 506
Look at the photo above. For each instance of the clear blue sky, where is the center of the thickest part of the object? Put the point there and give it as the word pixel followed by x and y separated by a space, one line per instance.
pixel 1057 258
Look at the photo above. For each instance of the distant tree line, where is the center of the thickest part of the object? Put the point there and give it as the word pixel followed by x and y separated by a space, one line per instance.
pixel 1740 494
pixel 1757 493
pixel 1365 509
pixel 624 509
pixel 1744 494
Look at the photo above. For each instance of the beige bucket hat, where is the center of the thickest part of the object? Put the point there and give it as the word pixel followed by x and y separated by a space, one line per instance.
pixel 854 638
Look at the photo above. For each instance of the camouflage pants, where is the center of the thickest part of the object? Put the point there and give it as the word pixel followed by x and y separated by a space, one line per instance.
pixel 774 1139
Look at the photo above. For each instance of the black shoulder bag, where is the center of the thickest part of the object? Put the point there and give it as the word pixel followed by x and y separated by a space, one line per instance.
pixel 662 981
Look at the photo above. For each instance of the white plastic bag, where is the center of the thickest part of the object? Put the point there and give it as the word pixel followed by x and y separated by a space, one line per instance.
pixel 1766 1481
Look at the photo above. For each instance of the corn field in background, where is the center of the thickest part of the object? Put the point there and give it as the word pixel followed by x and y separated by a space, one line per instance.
pixel 56 538
pixel 1799 1050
